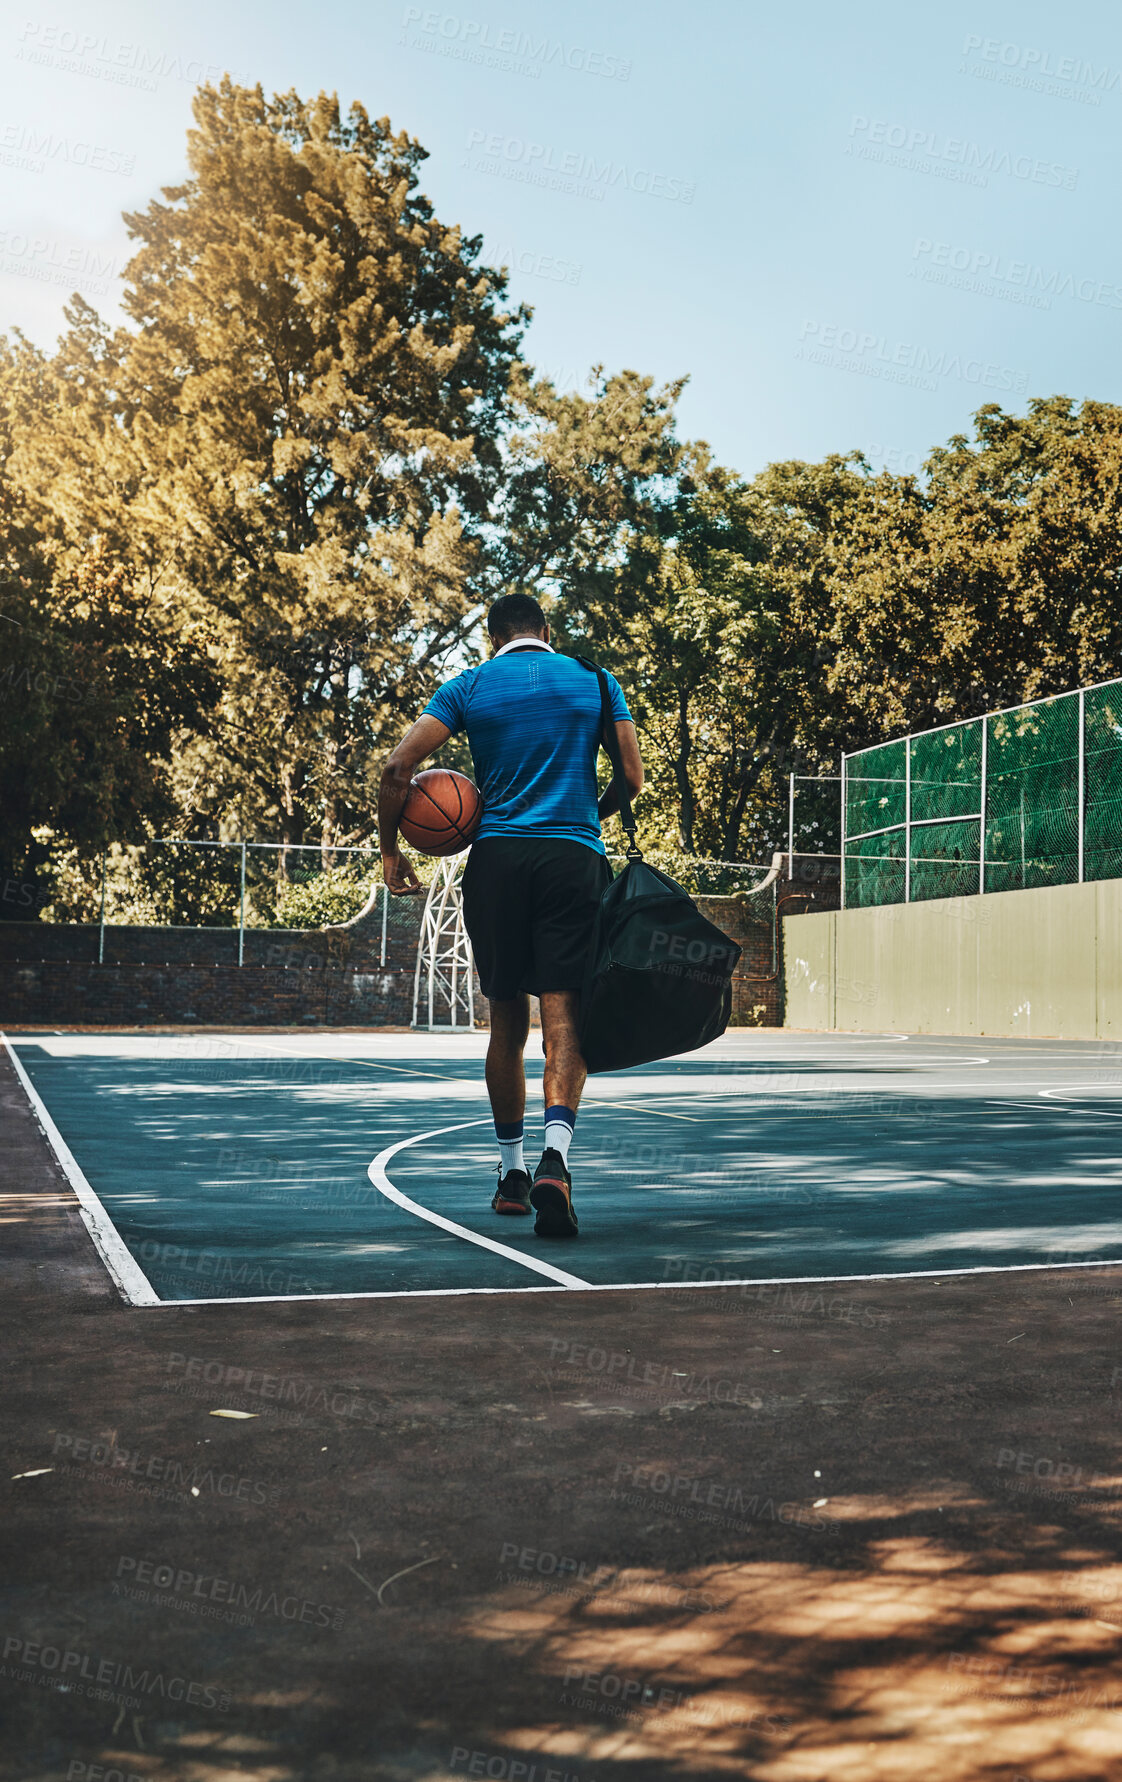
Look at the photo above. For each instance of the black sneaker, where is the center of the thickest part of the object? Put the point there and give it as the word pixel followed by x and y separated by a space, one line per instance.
pixel 552 1198
pixel 513 1192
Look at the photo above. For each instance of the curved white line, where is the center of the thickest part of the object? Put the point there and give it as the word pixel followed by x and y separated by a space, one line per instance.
pixel 381 1181
pixel 1086 1090
pixel 1080 1089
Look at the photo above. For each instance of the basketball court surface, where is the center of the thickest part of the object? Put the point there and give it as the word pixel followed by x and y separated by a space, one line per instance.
pixel 288 1166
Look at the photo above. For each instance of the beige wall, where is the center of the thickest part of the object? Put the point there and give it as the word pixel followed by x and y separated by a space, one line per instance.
pixel 1016 962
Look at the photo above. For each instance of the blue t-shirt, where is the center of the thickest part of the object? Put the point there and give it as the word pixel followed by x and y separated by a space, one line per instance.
pixel 533 725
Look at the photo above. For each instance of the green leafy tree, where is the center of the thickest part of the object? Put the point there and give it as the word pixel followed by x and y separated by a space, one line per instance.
pixel 585 475
pixel 723 625
pixel 994 579
pixel 299 438
pixel 93 694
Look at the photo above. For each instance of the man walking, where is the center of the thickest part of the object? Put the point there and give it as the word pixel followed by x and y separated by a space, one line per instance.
pixel 535 876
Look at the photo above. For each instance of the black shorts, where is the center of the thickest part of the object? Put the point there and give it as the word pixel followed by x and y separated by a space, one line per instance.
pixel 529 906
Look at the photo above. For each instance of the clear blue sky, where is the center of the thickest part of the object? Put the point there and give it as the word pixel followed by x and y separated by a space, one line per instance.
pixel 849 225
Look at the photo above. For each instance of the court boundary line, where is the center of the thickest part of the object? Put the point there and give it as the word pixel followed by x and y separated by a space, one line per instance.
pixel 921 1274
pixel 124 1271
pixel 136 1290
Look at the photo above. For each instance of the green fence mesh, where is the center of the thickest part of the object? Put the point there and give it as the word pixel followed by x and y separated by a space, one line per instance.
pixel 1032 796
pixel 306 887
pixel 1102 807
pixel 1030 799
pixel 947 773
pixel 944 860
pixel 171 884
pixel 874 869
pixel 875 789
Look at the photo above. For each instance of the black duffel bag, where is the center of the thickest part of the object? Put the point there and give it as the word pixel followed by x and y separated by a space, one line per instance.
pixel 659 975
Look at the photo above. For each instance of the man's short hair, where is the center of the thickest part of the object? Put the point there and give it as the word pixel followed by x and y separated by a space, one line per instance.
pixel 514 615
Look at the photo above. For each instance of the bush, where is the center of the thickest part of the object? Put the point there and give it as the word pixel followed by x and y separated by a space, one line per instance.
pixel 335 894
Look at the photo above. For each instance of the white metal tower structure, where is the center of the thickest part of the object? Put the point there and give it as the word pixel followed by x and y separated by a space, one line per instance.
pixel 443 988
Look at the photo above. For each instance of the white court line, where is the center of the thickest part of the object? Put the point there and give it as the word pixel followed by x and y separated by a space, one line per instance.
pixel 377 1174
pixel 1032 1106
pixel 127 1276
pixel 137 1290
pixel 381 1181
pixel 915 1274
pixel 1080 1088
pixel 1086 1090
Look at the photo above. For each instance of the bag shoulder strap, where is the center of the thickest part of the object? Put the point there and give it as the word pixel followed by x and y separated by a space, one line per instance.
pixel 611 744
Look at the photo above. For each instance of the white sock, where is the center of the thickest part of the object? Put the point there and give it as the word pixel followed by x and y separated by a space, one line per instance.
pixel 512 1155
pixel 559 1124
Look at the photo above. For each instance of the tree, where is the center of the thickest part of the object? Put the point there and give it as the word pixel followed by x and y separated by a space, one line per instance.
pixel 584 477
pixel 723 625
pixel 92 695
pixel 996 579
pixel 298 441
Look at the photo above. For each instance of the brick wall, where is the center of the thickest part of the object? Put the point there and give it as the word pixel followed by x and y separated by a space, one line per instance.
pixel 757 987
pixel 331 977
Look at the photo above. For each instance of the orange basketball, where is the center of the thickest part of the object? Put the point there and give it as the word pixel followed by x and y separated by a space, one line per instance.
pixel 442 812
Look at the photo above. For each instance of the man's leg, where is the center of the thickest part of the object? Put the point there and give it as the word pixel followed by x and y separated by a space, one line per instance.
pixel 565 1070
pixel 506 1086
pixel 506 1075
pixel 565 1073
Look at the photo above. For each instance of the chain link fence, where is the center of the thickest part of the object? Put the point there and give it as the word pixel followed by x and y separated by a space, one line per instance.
pixel 252 886
pixel 1021 798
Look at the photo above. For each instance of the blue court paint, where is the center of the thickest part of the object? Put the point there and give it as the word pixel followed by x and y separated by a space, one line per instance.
pixel 794 1157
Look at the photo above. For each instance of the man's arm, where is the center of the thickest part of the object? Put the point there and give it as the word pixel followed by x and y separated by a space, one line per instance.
pixel 426 735
pixel 632 768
